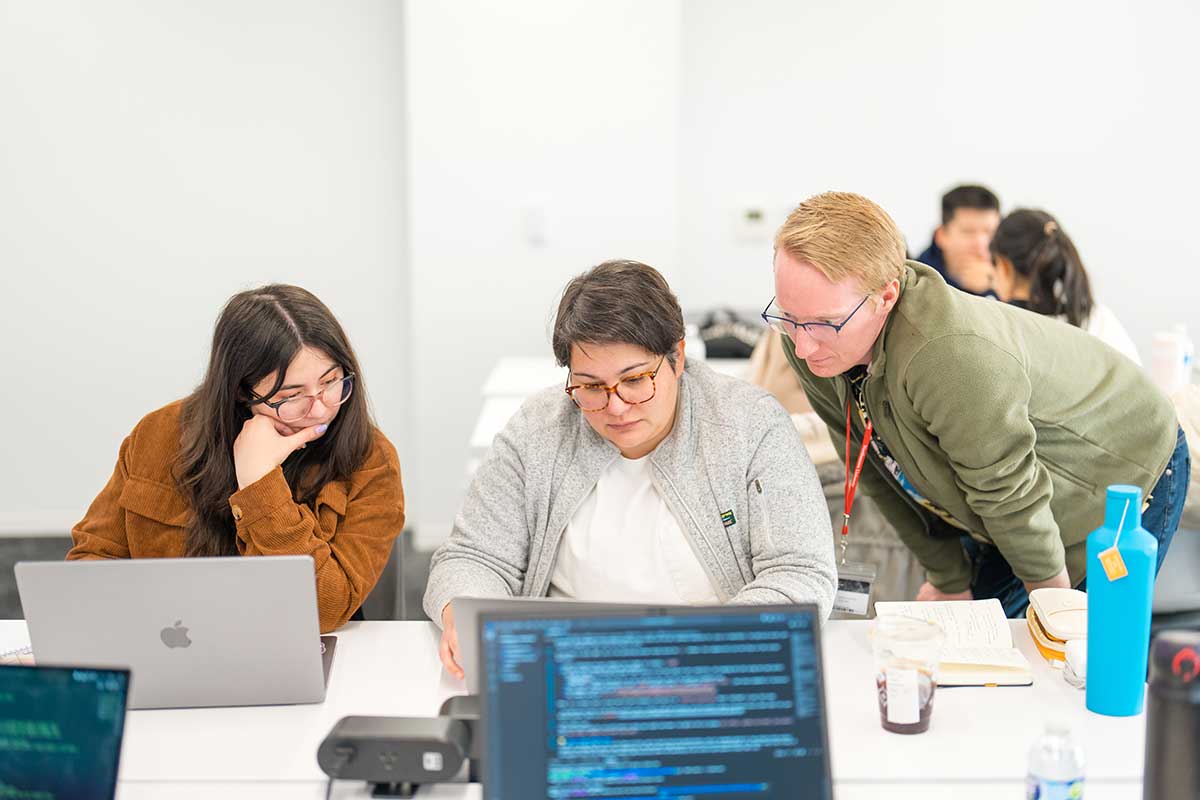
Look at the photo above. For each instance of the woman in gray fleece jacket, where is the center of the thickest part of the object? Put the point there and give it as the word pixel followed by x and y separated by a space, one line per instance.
pixel 649 479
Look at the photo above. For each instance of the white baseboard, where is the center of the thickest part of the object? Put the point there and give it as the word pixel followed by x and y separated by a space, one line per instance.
pixel 37 523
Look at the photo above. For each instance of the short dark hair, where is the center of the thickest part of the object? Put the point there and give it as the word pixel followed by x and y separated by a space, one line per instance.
pixel 624 302
pixel 968 196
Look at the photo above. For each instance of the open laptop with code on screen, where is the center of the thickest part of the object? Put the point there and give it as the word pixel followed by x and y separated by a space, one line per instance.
pixel 715 701
pixel 60 731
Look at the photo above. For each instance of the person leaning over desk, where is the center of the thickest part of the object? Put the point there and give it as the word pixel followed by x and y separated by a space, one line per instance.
pixel 650 479
pixel 994 433
pixel 273 454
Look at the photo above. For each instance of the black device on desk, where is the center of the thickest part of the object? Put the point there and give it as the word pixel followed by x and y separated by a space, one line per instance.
pixel 60 731
pixel 397 755
pixel 726 701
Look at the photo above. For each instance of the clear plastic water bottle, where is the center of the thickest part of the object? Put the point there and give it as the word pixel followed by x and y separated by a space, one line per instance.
pixel 1189 352
pixel 1055 766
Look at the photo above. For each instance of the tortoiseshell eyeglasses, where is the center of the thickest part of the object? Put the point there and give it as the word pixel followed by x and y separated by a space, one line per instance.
pixel 632 389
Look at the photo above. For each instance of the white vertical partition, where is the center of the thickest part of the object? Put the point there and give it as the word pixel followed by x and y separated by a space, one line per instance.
pixel 543 139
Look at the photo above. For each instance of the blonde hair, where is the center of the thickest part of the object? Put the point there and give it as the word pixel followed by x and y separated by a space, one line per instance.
pixel 845 235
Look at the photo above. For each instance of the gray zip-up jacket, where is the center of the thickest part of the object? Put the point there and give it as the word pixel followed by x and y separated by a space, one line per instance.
pixel 733 470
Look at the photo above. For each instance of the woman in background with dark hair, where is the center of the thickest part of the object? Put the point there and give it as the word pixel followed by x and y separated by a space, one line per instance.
pixel 1038 268
pixel 275 453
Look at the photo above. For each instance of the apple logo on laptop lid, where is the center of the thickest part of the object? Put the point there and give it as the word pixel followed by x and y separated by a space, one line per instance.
pixel 175 636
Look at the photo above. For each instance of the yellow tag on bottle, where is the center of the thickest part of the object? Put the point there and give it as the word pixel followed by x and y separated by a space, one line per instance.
pixel 1114 565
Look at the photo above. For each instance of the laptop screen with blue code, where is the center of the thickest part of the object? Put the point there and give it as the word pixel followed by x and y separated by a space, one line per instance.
pixel 723 703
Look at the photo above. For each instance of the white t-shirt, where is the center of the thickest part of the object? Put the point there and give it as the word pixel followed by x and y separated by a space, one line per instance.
pixel 625 545
pixel 1104 325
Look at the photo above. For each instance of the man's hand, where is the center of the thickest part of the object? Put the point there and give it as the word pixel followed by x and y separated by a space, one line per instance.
pixel 260 447
pixel 448 649
pixel 976 275
pixel 930 592
pixel 1059 581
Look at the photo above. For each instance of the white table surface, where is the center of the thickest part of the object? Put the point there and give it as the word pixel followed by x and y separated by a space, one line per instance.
pixel 976 746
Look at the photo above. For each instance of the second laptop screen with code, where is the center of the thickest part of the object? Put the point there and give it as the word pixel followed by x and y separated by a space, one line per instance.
pixel 713 704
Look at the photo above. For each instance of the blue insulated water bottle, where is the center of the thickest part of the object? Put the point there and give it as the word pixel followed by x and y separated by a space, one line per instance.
pixel 1120 588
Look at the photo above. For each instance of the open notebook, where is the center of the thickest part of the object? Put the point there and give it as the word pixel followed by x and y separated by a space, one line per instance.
pixel 979 647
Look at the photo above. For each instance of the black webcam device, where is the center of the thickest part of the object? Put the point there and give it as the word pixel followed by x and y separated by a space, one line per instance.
pixel 396 754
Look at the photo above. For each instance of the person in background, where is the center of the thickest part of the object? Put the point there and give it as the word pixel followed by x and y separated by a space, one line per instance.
pixel 959 250
pixel 992 433
pixel 273 454
pixel 1039 268
pixel 647 478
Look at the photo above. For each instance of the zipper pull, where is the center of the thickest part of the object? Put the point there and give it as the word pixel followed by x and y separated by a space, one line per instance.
pixel 758 485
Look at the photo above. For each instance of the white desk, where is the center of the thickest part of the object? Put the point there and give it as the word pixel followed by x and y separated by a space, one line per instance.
pixel 976 746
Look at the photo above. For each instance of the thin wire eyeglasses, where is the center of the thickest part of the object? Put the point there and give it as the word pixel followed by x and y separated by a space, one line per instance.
pixel 819 331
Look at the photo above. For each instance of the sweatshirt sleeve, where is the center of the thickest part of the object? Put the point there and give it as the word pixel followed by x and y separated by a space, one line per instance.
pixel 791 545
pixel 982 424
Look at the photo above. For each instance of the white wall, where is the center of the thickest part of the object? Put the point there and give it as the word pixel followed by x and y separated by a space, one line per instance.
pixel 563 111
pixel 156 158
pixel 1085 109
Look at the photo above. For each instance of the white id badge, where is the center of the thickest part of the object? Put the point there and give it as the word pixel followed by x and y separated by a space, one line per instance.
pixel 854 585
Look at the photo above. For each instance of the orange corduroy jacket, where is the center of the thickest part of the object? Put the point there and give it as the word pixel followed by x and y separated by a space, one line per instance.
pixel 348 531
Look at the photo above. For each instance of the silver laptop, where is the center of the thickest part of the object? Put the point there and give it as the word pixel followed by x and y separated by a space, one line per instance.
pixel 466 622
pixel 194 631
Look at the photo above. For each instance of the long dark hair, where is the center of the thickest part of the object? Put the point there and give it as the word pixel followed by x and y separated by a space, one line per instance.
pixel 1041 251
pixel 258 333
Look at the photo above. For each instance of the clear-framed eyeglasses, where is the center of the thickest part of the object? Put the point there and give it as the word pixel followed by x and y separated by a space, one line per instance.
pixel 632 389
pixel 290 409
pixel 819 331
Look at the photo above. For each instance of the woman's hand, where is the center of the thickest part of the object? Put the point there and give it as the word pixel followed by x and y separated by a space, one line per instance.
pixel 930 592
pixel 448 649
pixel 260 447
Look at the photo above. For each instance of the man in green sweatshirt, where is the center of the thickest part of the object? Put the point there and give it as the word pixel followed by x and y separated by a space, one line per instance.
pixel 995 432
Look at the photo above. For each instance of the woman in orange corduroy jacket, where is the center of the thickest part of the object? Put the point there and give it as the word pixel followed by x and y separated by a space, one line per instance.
pixel 275 453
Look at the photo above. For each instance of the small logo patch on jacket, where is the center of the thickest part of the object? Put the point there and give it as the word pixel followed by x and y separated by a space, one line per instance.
pixel 727 518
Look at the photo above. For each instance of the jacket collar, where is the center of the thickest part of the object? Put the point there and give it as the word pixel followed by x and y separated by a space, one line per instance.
pixel 333 494
pixel 879 349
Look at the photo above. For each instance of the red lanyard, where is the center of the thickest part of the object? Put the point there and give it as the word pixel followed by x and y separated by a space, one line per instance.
pixel 852 482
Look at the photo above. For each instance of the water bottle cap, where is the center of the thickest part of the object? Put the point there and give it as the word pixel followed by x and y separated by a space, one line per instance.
pixel 1175 658
pixel 1123 492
